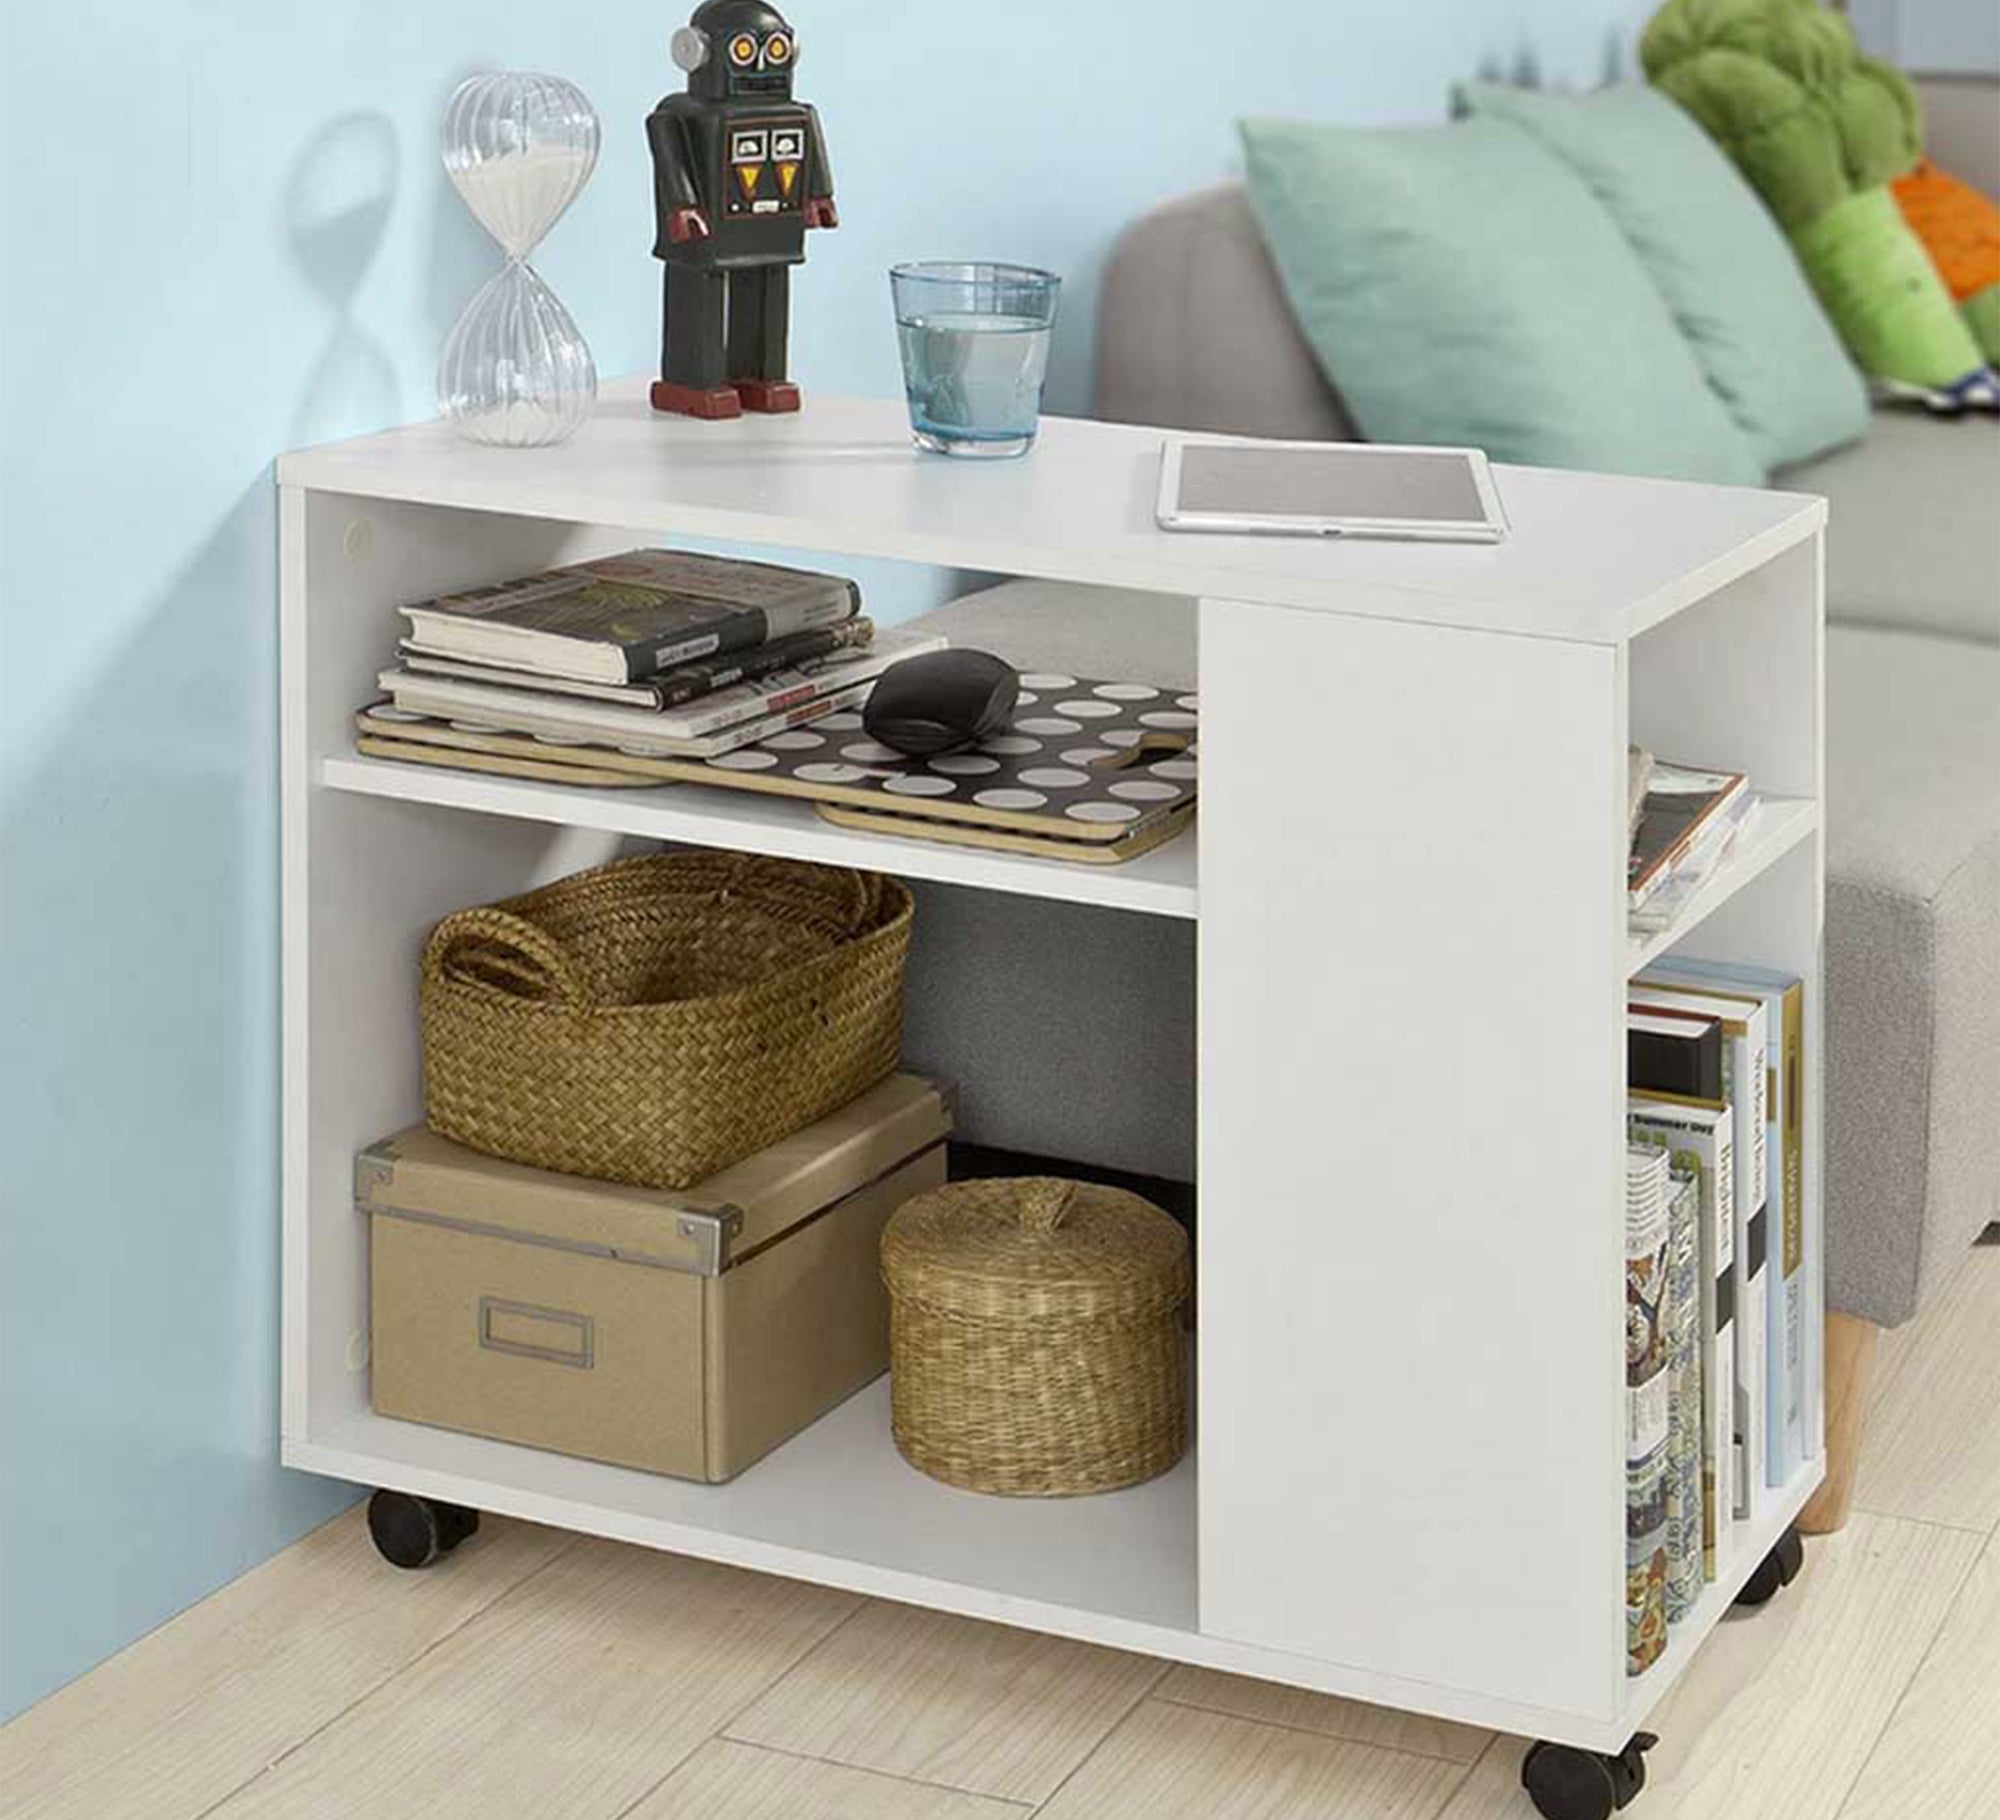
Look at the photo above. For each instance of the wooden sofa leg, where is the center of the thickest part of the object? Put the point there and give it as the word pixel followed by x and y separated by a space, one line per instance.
pixel 1849 1379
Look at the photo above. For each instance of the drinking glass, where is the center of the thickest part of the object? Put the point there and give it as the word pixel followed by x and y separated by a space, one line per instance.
pixel 975 344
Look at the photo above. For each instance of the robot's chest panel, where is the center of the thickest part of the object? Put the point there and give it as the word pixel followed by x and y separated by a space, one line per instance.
pixel 764 164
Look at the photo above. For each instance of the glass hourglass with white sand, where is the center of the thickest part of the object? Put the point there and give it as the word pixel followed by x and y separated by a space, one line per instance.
pixel 516 371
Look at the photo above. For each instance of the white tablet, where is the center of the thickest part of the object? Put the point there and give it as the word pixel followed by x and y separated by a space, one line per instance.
pixel 1329 489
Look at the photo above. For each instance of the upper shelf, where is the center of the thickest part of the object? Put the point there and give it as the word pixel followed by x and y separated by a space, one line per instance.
pixel 1159 883
pixel 1780 823
pixel 1163 882
pixel 1589 557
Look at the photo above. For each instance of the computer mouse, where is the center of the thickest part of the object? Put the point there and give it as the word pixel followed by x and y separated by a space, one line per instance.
pixel 941 702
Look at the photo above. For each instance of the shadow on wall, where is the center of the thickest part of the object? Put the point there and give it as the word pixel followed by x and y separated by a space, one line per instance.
pixel 140 1298
pixel 339 197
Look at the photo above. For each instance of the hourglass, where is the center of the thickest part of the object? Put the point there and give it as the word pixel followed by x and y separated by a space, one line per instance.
pixel 516 370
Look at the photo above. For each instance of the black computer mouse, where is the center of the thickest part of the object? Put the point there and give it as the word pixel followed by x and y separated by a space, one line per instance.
pixel 941 702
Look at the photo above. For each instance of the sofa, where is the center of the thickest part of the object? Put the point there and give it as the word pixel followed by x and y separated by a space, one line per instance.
pixel 1195 333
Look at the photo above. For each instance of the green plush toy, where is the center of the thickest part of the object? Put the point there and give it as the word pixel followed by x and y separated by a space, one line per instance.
pixel 1822 133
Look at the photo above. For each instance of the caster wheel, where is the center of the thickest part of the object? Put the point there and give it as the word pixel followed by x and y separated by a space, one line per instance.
pixel 1566 1783
pixel 409 1531
pixel 1775 1572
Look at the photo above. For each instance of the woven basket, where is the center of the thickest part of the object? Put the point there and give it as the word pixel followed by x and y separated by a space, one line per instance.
pixel 655 1020
pixel 1034 1340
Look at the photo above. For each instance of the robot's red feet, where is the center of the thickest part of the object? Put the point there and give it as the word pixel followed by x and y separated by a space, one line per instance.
pixel 771 395
pixel 691 401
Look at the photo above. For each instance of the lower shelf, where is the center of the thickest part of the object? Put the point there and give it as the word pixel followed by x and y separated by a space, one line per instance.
pixel 838 1506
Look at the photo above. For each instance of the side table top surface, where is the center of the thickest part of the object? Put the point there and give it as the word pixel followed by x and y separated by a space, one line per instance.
pixel 1589 557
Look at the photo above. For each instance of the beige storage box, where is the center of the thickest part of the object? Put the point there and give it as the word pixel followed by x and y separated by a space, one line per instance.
pixel 685 1333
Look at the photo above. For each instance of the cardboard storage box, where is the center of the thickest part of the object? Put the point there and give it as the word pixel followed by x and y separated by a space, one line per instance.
pixel 686 1333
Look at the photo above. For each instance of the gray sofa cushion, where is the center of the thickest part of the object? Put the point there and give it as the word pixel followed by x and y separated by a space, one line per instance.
pixel 1194 333
pixel 1962 127
pixel 1913 539
pixel 1193 329
pixel 1912 962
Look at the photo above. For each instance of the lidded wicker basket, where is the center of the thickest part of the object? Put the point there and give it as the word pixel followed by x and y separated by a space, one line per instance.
pixel 1035 1339
pixel 657 1019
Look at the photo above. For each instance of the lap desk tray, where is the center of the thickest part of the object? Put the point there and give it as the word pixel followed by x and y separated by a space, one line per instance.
pixel 1091 771
pixel 686 1333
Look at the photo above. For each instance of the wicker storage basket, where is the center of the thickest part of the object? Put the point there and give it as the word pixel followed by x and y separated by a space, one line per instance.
pixel 1035 1344
pixel 655 1020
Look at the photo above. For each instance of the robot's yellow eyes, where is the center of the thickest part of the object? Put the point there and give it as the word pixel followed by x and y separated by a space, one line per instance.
pixel 748 52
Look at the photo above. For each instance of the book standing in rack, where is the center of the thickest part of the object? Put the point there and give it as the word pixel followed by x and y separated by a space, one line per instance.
pixel 1741 1028
pixel 1674 1055
pixel 1647 1382
pixel 1686 1501
pixel 1792 1335
pixel 1697 1139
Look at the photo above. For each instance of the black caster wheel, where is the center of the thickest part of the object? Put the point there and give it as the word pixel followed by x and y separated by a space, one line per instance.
pixel 1775 1572
pixel 409 1531
pixel 1566 1783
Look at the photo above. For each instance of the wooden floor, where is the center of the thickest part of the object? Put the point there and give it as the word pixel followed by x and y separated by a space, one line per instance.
pixel 549 1677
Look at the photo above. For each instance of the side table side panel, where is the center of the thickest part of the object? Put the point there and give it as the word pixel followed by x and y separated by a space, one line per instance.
pixel 1411 1080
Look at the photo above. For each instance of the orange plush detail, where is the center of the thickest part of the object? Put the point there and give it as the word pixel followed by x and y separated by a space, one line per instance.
pixel 1959 227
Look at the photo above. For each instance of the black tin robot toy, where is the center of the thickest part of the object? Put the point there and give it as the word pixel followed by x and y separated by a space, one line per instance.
pixel 739 174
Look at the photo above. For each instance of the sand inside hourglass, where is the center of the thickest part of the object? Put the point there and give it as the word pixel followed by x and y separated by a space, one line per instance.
pixel 517 196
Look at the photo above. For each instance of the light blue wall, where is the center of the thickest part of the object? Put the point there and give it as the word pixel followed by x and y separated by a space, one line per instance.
pixel 225 233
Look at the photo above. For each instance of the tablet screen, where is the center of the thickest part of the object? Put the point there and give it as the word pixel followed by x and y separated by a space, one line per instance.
pixel 1421 486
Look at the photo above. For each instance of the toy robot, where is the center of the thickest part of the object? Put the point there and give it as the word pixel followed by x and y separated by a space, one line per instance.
pixel 739 174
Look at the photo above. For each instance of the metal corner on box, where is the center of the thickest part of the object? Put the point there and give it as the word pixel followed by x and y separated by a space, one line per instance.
pixel 709 1230
pixel 947 1092
pixel 373 1169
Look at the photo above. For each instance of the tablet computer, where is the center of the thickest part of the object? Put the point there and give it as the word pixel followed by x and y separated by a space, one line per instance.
pixel 1329 489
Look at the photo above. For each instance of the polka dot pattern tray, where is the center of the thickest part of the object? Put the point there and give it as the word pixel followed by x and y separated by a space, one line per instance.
pixel 1142 837
pixel 1084 761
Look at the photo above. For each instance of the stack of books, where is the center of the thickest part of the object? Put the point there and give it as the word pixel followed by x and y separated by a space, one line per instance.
pixel 660 653
pixel 1648 1384
pixel 1719 1260
pixel 1682 823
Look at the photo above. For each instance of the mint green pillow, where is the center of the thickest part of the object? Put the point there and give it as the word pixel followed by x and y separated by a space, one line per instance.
pixel 1716 255
pixel 1461 284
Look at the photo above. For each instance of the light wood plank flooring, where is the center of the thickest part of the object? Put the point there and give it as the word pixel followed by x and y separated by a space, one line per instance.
pixel 557 1678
